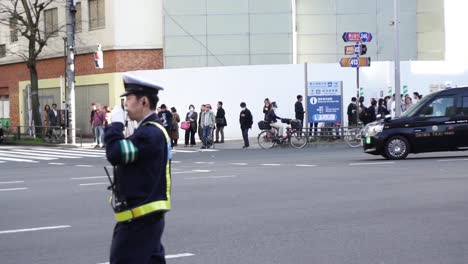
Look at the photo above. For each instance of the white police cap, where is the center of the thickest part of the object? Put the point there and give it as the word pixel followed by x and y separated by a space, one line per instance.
pixel 137 84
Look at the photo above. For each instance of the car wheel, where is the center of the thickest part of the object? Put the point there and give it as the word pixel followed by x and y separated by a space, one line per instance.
pixel 397 148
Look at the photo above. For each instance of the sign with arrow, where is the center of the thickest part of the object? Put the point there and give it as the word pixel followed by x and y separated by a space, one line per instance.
pixel 357 37
pixel 355 62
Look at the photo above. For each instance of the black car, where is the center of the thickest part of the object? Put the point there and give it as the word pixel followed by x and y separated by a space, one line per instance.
pixel 438 122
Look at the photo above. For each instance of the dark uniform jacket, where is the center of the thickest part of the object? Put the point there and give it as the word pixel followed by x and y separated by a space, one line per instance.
pixel 221 118
pixel 299 110
pixel 245 119
pixel 143 163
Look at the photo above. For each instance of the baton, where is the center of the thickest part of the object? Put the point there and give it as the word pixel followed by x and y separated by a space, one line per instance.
pixel 111 187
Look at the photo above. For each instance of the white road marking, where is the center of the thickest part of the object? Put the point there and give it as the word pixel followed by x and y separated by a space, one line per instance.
pixel 2 162
pixel 270 164
pixel 176 161
pixel 26 152
pixel 19 160
pixel 60 154
pixel 305 165
pixel 65 153
pixel 182 255
pixel 23 155
pixel 208 150
pixel 13 189
pixel 11 182
pixel 371 163
pixel 34 229
pixel 91 151
pixel 96 183
pixel 55 163
pixel 184 151
pixel 86 178
pixel 204 162
pixel 240 164
pixel 448 160
pixel 84 166
pixel 210 177
pixel 192 171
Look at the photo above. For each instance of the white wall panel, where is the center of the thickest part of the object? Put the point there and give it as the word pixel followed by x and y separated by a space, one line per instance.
pixel 271 23
pixel 179 25
pixel 184 7
pixel 228 24
pixel 270 6
pixel 185 46
pixel 315 44
pixel 316 24
pixel 316 6
pixel 260 44
pixel 229 44
pixel 227 6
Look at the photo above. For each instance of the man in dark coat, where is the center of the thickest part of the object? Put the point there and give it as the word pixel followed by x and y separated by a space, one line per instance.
pixel 166 118
pixel 246 121
pixel 299 109
pixel 352 112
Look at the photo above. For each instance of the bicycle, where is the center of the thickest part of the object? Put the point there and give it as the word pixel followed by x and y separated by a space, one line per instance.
pixel 55 135
pixel 269 137
pixel 353 136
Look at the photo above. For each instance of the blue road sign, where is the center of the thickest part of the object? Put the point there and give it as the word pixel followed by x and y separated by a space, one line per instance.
pixel 324 102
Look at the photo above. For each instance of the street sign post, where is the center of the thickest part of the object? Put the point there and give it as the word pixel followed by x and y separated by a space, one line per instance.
pixel 325 102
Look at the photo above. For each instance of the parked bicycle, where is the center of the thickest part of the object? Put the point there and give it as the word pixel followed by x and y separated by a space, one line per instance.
pixel 269 136
pixel 353 136
pixel 55 135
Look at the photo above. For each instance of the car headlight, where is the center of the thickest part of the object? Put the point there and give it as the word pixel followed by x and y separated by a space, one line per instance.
pixel 373 130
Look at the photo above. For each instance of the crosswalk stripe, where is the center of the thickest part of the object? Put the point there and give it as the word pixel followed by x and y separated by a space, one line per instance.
pixel 92 152
pixel 71 151
pixel 23 152
pixel 19 160
pixel 59 155
pixel 63 153
pixel 11 155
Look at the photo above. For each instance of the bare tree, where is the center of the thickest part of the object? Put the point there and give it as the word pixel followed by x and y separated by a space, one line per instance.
pixel 26 16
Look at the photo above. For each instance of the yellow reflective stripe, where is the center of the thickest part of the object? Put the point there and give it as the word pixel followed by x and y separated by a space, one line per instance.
pixel 143 210
pixel 168 164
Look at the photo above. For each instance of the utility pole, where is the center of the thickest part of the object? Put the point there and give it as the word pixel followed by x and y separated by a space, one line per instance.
pixel 396 23
pixel 71 12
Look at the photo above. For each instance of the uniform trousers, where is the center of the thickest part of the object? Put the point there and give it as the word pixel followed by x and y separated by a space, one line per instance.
pixel 138 241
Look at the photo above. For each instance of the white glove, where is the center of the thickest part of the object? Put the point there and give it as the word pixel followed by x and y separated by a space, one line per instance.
pixel 117 115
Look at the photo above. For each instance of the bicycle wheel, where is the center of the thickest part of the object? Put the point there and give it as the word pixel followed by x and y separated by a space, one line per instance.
pixel 353 137
pixel 298 139
pixel 265 139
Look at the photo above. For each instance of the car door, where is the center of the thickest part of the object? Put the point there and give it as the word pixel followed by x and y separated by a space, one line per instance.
pixel 462 122
pixel 434 126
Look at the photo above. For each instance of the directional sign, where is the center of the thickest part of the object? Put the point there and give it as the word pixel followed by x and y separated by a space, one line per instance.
pixel 357 37
pixel 355 62
pixel 359 49
pixel 349 50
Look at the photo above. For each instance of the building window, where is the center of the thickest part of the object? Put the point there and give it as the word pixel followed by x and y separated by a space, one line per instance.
pixel 2 50
pixel 78 26
pixel 97 18
pixel 51 22
pixel 13 30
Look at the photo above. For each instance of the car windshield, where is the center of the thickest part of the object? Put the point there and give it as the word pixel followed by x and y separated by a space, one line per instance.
pixel 415 107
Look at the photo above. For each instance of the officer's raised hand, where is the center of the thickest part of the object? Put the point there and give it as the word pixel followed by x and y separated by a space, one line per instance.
pixel 117 115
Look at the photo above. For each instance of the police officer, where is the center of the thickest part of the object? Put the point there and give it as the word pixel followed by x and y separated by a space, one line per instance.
pixel 142 176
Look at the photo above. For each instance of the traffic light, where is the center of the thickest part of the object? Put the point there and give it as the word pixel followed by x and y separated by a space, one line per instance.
pixel 363 49
pixel 99 58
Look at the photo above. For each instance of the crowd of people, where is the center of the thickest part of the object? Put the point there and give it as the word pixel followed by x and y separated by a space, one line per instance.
pixel 208 125
pixel 382 106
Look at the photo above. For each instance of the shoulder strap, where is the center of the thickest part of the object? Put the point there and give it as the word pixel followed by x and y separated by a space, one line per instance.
pixel 166 135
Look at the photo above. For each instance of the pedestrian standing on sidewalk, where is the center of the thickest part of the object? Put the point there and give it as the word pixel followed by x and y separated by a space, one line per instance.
pixel 299 109
pixel 266 108
pixel 99 120
pixel 208 123
pixel 91 117
pixel 246 121
pixel 166 118
pixel 200 122
pixel 220 122
pixel 191 117
pixel 174 127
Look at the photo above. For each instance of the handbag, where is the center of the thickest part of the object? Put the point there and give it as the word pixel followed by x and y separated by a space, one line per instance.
pixel 185 125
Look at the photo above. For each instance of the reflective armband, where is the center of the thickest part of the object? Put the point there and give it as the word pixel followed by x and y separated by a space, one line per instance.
pixel 129 151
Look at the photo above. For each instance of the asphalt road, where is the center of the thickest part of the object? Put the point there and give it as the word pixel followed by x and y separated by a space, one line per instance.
pixel 316 205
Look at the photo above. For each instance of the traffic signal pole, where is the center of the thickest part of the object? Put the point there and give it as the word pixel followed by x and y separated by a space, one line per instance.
pixel 71 12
